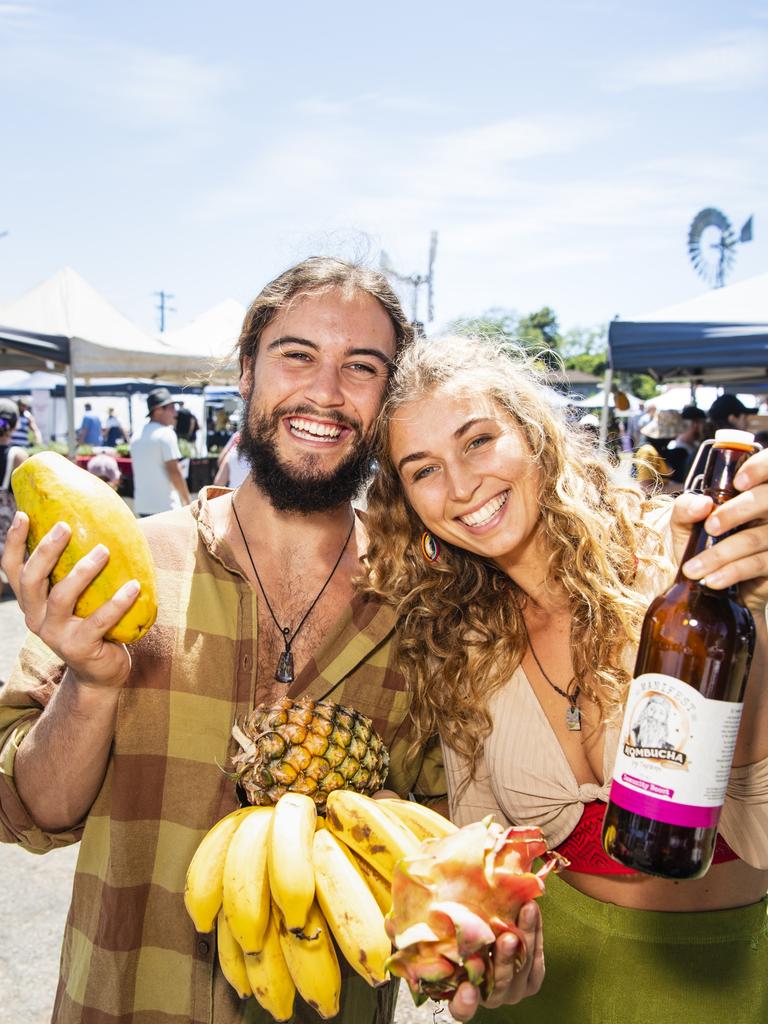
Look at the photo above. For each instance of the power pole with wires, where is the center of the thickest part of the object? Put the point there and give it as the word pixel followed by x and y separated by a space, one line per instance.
pixel 415 281
pixel 163 307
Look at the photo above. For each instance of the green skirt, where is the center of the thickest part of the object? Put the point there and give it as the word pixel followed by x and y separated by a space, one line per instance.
pixel 610 965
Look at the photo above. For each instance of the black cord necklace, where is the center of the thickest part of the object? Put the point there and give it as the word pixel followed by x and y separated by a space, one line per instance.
pixel 573 714
pixel 284 671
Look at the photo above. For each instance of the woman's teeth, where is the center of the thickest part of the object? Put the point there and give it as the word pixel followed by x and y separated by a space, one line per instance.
pixel 314 431
pixel 487 512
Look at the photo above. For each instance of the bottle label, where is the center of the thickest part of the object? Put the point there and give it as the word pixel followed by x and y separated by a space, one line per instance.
pixel 675 752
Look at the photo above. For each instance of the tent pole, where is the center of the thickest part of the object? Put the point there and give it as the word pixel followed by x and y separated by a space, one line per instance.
pixel 69 389
pixel 606 399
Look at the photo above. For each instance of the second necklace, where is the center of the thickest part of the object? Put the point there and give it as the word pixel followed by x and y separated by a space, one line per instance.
pixel 284 672
pixel 573 713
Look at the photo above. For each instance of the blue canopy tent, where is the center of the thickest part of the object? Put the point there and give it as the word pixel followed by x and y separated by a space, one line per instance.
pixel 719 338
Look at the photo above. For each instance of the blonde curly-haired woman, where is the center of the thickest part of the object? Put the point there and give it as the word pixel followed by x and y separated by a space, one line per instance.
pixel 521 564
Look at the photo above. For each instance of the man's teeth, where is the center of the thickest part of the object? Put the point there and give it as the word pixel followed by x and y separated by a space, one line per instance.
pixel 317 431
pixel 488 511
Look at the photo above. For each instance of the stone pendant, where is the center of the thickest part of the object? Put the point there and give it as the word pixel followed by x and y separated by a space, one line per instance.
pixel 573 718
pixel 284 673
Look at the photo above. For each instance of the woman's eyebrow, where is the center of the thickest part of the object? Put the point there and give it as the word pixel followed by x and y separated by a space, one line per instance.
pixel 459 433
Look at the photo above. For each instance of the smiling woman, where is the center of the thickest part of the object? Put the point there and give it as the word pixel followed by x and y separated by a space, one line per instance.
pixel 518 641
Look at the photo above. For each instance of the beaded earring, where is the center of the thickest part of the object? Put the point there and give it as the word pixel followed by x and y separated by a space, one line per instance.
pixel 430 547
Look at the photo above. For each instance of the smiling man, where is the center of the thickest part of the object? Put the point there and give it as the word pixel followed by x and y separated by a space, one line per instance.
pixel 257 602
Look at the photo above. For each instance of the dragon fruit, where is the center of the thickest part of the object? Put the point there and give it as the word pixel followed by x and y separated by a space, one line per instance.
pixel 453 898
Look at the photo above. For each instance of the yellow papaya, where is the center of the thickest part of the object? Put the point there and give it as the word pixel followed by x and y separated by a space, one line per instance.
pixel 51 489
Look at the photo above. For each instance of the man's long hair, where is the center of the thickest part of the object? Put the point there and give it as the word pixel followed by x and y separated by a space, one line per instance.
pixel 310 277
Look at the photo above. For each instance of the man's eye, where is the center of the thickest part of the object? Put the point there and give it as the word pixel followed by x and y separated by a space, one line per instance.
pixel 297 356
pixel 362 370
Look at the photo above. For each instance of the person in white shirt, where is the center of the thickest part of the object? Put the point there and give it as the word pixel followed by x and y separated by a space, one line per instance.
pixel 158 483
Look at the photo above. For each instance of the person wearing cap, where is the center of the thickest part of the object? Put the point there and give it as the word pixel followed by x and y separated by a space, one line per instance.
pixel 26 431
pixel 729 412
pixel 11 456
pixel 692 433
pixel 158 482
pixel 105 467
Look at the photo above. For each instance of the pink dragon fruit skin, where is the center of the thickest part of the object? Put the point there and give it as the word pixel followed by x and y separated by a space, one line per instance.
pixel 453 898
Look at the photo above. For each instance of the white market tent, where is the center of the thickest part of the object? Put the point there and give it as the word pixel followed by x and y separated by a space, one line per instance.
pixel 66 324
pixel 212 335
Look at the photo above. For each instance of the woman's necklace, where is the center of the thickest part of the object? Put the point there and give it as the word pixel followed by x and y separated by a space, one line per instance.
pixel 284 671
pixel 573 714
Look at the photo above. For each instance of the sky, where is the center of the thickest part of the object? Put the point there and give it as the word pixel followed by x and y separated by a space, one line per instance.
pixel 560 150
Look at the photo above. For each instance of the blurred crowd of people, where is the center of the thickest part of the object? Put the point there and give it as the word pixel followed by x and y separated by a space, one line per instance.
pixel 666 441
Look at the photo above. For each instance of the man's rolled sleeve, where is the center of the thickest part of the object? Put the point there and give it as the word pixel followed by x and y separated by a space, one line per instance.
pixel 33 680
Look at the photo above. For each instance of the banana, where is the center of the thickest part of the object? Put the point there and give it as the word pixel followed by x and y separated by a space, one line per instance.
pixel 420 819
pixel 203 889
pixel 289 856
pixel 379 886
pixel 369 830
pixel 231 959
pixel 350 909
pixel 246 884
pixel 312 962
pixel 269 976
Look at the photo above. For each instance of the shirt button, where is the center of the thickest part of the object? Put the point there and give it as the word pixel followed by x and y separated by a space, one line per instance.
pixel 203 947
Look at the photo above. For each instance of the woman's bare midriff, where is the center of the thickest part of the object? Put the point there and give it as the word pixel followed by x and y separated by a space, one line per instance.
pixel 731 884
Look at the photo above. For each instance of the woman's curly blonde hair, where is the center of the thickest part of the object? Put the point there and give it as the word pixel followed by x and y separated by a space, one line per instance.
pixel 461 628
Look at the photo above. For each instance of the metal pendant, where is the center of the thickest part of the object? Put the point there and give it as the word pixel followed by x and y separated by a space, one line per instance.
pixel 573 718
pixel 284 673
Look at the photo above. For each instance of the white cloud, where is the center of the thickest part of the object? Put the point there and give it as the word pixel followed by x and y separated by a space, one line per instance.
pixel 169 87
pixel 736 61
pixel 320 106
pixel 18 11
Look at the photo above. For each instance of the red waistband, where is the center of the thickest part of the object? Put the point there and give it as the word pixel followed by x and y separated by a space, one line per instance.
pixel 584 847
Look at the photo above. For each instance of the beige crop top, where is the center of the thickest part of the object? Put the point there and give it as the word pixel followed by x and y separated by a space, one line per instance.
pixel 524 777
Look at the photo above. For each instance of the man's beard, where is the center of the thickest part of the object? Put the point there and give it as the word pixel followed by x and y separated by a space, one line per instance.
pixel 304 489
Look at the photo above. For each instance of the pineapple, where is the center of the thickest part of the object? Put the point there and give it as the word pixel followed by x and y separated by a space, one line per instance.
pixel 307 746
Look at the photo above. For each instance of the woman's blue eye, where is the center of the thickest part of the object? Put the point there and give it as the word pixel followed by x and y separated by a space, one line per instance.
pixel 477 441
pixel 421 473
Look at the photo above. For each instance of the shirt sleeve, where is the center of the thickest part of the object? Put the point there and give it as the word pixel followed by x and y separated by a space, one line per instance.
pixel 170 446
pixel 744 821
pixel 31 685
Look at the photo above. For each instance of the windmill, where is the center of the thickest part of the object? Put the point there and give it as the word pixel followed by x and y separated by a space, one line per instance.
pixel 712 244
pixel 415 281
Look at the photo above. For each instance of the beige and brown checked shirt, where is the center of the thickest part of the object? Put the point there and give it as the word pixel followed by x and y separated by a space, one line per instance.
pixel 130 953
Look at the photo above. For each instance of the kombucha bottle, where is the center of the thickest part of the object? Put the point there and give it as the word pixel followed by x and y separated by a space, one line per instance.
pixel 683 708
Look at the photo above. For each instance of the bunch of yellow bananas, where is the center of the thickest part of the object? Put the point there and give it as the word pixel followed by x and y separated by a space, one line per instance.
pixel 278 883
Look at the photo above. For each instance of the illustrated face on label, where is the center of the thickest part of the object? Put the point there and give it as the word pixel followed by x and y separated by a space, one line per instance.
pixel 657 724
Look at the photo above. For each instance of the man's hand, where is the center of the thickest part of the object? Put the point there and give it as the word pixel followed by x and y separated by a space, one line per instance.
pixel 742 557
pixel 49 611
pixel 510 986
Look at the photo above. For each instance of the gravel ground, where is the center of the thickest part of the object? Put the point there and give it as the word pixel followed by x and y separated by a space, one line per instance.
pixel 34 897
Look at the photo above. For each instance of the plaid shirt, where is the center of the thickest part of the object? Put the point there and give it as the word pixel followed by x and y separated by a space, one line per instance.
pixel 130 952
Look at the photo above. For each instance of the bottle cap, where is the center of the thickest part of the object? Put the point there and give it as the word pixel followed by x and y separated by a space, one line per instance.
pixel 726 437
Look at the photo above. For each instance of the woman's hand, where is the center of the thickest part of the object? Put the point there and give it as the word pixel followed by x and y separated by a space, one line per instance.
pixel 742 557
pixel 510 985
pixel 49 611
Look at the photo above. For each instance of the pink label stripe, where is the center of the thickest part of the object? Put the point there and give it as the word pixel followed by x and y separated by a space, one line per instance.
pixel 664 810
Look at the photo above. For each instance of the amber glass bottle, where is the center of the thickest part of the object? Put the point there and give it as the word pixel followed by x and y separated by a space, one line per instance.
pixel 683 709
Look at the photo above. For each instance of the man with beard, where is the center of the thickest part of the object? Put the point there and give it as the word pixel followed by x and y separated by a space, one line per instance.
pixel 124 750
